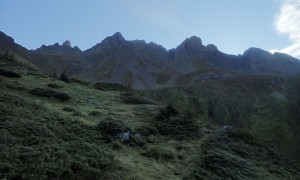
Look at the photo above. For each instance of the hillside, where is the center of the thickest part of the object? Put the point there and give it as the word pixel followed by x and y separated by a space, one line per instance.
pixel 144 65
pixel 51 129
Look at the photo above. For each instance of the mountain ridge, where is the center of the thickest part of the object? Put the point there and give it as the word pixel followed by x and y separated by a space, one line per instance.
pixel 148 65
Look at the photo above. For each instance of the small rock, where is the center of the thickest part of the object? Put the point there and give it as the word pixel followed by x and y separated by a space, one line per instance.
pixel 124 137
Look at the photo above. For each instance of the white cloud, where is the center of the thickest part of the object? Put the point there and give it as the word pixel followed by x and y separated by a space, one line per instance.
pixel 287 22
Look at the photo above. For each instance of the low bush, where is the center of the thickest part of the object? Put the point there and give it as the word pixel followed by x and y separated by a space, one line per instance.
pixel 167 112
pixel 95 113
pixel 110 87
pixel 146 130
pixel 170 123
pixel 111 128
pixel 160 153
pixel 131 98
pixel 68 109
pixel 78 113
pixel 136 139
pixel 9 73
pixel 50 94
pixel 37 143
pixel 78 81
pixel 235 155
pixel 55 86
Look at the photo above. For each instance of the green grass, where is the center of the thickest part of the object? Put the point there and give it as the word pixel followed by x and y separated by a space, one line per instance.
pixel 44 138
pixel 39 143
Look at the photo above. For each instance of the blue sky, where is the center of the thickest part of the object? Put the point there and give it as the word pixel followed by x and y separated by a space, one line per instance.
pixel 232 25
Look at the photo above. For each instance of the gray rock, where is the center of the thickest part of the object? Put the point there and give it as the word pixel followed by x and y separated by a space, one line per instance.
pixel 67 43
pixel 124 137
pixel 211 48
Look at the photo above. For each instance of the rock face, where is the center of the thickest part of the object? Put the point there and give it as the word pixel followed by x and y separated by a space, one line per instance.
pixel 147 65
pixel 8 44
pixel 67 43
pixel 132 63
pixel 190 47
pixel 211 48
pixel 58 49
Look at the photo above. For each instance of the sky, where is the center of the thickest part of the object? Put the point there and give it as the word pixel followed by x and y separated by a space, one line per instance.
pixel 232 25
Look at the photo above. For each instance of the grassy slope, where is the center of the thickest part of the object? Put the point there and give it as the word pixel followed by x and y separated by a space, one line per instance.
pixel 40 140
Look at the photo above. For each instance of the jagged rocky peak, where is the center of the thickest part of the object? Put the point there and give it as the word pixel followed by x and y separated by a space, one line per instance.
pixel 192 41
pixel 5 38
pixel 156 46
pixel 67 43
pixel 65 48
pixel 43 46
pixel 191 45
pixel 139 42
pixel 117 37
pixel 211 48
pixel 116 40
pixel 109 43
pixel 256 52
pixel 56 45
pixel 77 48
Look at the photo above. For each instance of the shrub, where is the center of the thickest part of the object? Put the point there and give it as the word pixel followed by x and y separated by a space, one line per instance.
pixel 68 109
pixel 146 130
pixel 110 87
pixel 64 78
pixel 8 55
pixel 168 122
pixel 159 153
pixel 167 112
pixel 70 160
pixel 78 81
pixel 50 94
pixel 131 98
pixel 111 128
pixel 137 139
pixel 9 73
pixel 78 113
pixel 55 86
pixel 224 164
pixel 235 155
pixel 38 143
pixel 95 113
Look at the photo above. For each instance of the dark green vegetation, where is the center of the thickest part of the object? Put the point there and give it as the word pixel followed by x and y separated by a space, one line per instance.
pixel 8 73
pixel 109 131
pixel 236 155
pixel 267 107
pixel 50 94
pixel 37 143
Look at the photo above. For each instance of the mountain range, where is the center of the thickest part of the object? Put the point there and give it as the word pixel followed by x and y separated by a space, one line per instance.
pixel 144 65
pixel 198 113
